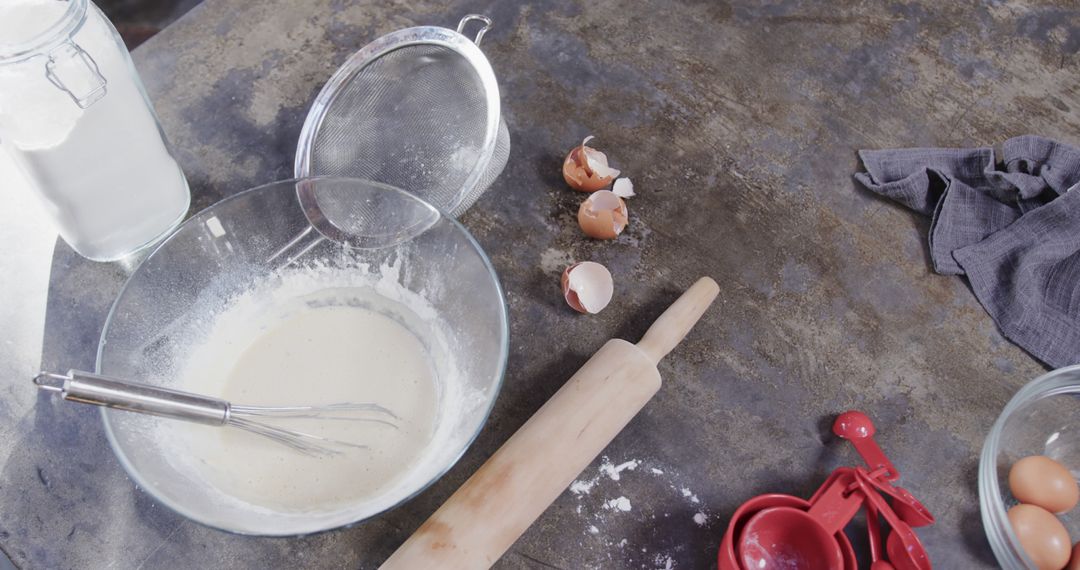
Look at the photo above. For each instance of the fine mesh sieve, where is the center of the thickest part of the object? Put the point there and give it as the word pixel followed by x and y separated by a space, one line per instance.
pixel 417 109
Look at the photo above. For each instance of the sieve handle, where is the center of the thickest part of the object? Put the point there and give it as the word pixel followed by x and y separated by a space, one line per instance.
pixel 478 18
pixel 99 390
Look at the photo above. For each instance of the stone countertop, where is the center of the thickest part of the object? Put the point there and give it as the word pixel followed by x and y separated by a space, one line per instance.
pixel 738 122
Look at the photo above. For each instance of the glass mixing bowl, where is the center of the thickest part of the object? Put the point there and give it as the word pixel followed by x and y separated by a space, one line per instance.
pixel 1043 418
pixel 255 235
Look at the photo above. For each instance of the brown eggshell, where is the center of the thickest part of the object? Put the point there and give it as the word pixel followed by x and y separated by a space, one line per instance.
pixel 586 170
pixel 1074 562
pixel 603 215
pixel 623 188
pixel 1039 480
pixel 569 294
pixel 1042 535
pixel 590 289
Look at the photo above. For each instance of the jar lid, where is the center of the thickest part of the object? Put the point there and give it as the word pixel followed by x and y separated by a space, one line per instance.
pixel 53 33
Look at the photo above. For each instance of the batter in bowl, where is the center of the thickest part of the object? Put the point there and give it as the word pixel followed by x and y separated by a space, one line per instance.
pixel 331 346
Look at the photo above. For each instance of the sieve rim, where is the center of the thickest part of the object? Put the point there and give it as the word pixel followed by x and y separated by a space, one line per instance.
pixel 418 35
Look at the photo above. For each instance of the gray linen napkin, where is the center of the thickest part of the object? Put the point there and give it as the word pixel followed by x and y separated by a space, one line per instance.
pixel 1013 230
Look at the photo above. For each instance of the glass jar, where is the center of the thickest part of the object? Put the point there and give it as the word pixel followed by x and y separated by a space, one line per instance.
pixel 76 121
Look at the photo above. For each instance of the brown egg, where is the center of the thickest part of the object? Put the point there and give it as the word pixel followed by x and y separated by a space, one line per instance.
pixel 1074 562
pixel 602 215
pixel 1042 535
pixel 1039 480
pixel 586 169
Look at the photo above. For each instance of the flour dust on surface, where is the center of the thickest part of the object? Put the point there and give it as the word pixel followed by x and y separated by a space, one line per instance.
pixel 616 525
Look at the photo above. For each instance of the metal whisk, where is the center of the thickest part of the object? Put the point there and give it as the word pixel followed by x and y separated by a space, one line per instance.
pixel 88 388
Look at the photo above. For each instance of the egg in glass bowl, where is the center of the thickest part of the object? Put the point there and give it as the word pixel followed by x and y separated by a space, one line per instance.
pixel 1036 440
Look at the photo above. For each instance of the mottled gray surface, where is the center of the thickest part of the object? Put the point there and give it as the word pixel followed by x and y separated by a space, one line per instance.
pixel 738 123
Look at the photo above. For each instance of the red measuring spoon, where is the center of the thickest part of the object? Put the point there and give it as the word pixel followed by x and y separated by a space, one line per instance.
pixel 857 428
pixel 787 537
pixel 830 480
pixel 873 529
pixel 726 558
pixel 873 525
pixel 905 550
pixel 905 504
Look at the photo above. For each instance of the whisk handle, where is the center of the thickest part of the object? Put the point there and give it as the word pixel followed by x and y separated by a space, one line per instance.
pixel 88 388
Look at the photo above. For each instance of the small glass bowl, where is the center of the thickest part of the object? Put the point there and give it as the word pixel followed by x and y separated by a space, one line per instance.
pixel 1043 418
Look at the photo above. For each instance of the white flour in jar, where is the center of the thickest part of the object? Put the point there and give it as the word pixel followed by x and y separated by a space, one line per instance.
pixel 104 173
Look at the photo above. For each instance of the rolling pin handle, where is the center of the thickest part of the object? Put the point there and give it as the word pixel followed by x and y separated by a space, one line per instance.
pixel 674 324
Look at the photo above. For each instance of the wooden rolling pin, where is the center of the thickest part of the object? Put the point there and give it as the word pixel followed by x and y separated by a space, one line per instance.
pixel 479 522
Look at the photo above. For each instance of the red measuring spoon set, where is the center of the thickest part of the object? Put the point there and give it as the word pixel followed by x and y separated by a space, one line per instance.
pixel 775 531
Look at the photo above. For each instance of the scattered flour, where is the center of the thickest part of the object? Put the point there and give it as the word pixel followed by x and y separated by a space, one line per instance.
pixel 579 487
pixel 605 503
pixel 613 471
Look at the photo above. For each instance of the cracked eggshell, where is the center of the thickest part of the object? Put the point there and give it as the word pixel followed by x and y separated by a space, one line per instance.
pixel 586 169
pixel 603 215
pixel 587 287
pixel 623 188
